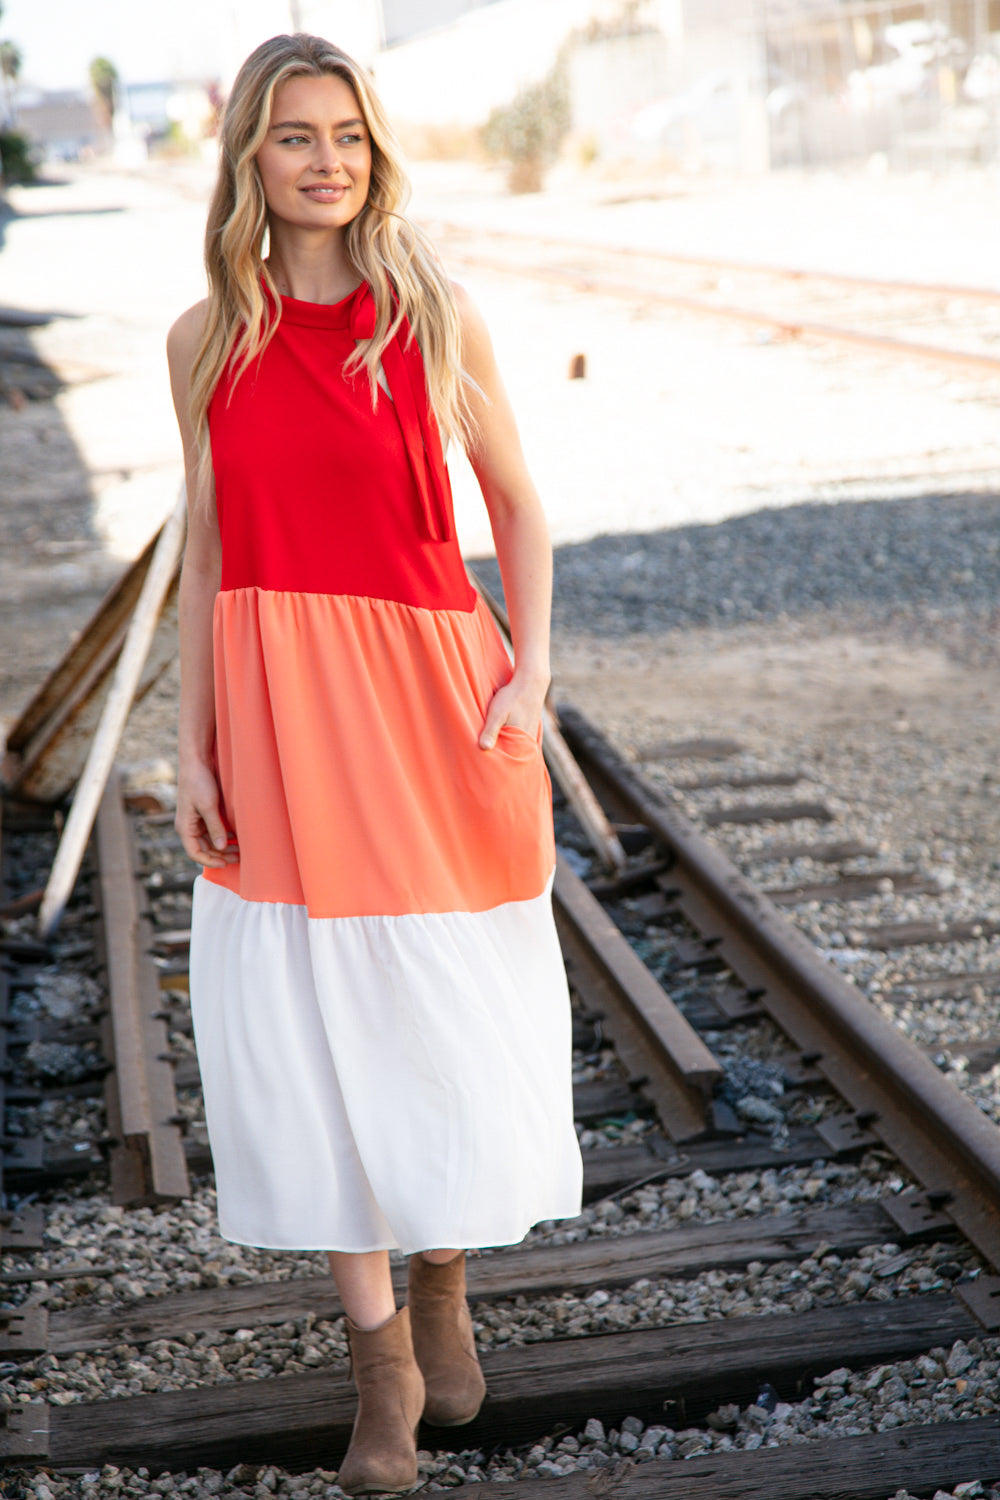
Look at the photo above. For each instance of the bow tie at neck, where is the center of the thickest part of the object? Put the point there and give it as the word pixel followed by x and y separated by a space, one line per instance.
pixel 403 366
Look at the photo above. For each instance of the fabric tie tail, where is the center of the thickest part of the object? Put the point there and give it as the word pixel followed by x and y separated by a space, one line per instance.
pixel 404 372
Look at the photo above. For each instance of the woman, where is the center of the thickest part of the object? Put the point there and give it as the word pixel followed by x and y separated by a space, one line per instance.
pixel 379 1002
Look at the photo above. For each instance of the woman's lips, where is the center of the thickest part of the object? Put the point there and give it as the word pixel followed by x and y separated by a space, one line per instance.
pixel 325 194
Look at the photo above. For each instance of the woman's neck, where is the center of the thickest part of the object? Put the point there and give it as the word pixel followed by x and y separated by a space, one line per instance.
pixel 311 268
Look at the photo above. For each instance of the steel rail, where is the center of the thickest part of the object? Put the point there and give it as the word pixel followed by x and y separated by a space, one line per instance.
pixel 652 1038
pixel 987 365
pixel 722 263
pixel 897 1094
pixel 147 1154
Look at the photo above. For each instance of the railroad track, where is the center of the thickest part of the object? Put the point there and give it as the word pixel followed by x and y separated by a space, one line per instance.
pixel 727 959
pixel 954 326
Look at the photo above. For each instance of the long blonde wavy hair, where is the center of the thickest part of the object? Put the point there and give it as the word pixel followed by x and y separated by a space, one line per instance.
pixel 385 248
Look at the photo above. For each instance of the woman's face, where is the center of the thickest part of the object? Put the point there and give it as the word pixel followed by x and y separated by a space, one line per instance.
pixel 315 165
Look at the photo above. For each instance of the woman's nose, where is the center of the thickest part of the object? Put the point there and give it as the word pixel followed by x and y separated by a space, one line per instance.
pixel 325 157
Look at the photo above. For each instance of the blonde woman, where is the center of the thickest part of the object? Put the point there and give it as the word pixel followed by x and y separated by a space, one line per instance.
pixel 379 1002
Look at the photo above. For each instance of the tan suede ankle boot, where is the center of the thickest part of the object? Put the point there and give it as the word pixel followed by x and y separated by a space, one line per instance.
pixel 443 1342
pixel 382 1455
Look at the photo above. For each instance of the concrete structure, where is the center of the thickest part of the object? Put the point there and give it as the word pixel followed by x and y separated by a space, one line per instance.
pixel 61 124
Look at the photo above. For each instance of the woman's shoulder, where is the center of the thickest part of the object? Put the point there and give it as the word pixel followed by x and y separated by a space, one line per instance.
pixel 468 312
pixel 477 346
pixel 185 334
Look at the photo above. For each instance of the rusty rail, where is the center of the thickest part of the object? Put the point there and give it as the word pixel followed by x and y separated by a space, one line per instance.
pixel 651 1036
pixel 950 290
pixel 986 365
pixel 148 1164
pixel 896 1093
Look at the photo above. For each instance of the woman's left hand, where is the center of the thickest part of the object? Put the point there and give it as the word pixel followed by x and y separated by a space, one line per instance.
pixel 517 704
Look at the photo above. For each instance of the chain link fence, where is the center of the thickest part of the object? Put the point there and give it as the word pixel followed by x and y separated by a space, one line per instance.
pixel 917 84
pixel 773 83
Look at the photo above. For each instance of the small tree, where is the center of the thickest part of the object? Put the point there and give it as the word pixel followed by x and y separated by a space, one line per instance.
pixel 529 131
pixel 17 162
pixel 10 67
pixel 104 80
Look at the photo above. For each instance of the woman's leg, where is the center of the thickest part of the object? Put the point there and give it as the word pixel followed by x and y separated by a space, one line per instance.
pixel 383 1450
pixel 365 1286
pixel 440 1257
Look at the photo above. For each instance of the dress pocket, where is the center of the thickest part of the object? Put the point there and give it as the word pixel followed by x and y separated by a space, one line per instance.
pixel 519 742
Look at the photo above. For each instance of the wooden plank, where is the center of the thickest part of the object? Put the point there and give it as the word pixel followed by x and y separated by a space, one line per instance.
pixel 765 812
pixel 922 934
pixel 24 1230
pixel 870 1467
pixel 934 986
pixel 600 1101
pixel 162 575
pixel 834 852
pixel 105 628
pixel 147 1162
pixel 24 1432
pixel 696 749
pixel 855 888
pixel 53 759
pixel 612 1169
pixel 650 1034
pixel 739 780
pixel 676 1373
pixel 536 1271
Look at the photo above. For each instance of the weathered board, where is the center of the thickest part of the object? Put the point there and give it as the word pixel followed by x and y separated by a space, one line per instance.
pixel 919 1459
pixel 676 1373
pixel 767 812
pixel 534 1271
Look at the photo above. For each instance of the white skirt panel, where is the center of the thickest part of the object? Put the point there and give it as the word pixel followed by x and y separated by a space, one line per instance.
pixel 383 1082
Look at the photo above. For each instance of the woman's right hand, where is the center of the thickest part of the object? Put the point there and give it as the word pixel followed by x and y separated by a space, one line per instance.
pixel 199 821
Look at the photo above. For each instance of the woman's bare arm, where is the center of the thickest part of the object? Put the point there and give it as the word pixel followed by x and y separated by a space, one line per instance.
pixel 519 529
pixel 199 821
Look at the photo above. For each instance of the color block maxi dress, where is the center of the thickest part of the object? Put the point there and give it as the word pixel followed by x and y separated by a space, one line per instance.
pixel 379 1001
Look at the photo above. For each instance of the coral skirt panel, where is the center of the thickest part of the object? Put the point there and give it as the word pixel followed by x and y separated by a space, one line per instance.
pixel 347 743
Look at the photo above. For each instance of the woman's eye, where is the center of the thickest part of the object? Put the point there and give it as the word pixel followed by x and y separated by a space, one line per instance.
pixel 292 140
pixel 350 140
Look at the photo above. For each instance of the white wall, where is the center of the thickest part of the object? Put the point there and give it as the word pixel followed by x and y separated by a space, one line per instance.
pixel 456 75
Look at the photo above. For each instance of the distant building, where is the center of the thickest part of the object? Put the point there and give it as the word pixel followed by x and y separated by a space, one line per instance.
pixel 61 124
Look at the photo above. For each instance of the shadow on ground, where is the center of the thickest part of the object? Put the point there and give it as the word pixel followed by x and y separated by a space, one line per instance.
pixel 929 558
pixel 53 568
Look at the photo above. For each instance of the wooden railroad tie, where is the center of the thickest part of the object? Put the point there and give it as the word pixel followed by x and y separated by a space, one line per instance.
pixel 675 1374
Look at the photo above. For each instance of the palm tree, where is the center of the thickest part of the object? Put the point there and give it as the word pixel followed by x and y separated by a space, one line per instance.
pixel 104 79
pixel 10 67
